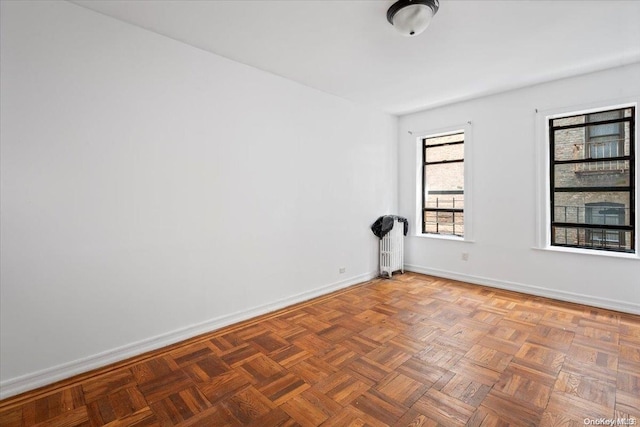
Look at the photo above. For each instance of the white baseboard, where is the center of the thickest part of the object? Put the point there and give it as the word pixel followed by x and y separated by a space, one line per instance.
pixel 47 376
pixel 617 305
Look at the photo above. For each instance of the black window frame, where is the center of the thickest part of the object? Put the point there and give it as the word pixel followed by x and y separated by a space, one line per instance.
pixel 453 211
pixel 590 228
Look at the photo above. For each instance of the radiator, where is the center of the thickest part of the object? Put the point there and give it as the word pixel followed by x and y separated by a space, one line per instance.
pixel 392 250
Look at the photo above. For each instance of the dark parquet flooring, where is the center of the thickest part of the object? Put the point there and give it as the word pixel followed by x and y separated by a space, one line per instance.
pixel 412 351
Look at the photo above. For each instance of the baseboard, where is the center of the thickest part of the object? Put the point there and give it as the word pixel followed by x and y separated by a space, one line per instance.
pixel 610 304
pixel 48 376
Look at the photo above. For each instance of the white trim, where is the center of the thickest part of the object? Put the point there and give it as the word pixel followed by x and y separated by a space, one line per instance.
pixel 444 237
pixel 468 179
pixel 47 376
pixel 612 254
pixel 606 303
pixel 543 212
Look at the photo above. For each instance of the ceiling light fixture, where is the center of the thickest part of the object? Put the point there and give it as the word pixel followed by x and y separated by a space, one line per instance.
pixel 411 17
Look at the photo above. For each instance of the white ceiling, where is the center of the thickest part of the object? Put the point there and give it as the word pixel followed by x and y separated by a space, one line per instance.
pixel 347 48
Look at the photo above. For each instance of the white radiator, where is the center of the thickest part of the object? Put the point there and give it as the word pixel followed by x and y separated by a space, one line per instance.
pixel 392 250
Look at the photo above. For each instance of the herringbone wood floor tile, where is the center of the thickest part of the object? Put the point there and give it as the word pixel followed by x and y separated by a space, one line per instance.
pixel 411 351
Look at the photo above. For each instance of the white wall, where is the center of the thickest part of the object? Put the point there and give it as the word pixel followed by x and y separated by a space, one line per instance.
pixel 504 145
pixel 152 191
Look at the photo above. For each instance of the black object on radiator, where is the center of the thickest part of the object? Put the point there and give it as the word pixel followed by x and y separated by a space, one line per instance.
pixel 384 224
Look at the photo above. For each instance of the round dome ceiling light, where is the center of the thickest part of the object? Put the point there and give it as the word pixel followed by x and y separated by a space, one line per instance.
pixel 412 17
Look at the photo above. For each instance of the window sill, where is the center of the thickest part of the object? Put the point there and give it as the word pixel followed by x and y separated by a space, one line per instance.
pixel 609 254
pixel 444 237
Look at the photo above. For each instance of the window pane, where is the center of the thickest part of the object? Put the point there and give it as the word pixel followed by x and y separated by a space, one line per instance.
pixel 592 208
pixel 431 227
pixel 606 173
pixel 445 152
pixel 578 143
pixel 604 213
pixel 431 217
pixel 456 137
pixel 569 144
pixel 593 238
pixel 443 177
pixel 565 121
pixel 442 222
pixel 446 201
pixel 605 129
pixel 604 148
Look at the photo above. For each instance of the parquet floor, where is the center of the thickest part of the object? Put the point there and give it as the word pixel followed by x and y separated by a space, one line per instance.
pixel 412 351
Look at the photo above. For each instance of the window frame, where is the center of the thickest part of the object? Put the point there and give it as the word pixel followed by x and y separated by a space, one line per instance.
pixel 544 185
pixel 466 129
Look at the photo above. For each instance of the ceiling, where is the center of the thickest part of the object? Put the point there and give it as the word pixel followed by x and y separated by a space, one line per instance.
pixel 347 47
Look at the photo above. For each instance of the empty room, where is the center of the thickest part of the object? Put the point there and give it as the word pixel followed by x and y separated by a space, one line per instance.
pixel 319 213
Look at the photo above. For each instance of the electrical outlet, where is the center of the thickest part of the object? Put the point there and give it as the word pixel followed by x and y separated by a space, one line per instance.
pixel 342 269
pixel 465 256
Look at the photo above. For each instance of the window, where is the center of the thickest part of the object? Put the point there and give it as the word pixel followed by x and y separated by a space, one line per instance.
pixel 592 180
pixel 443 184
